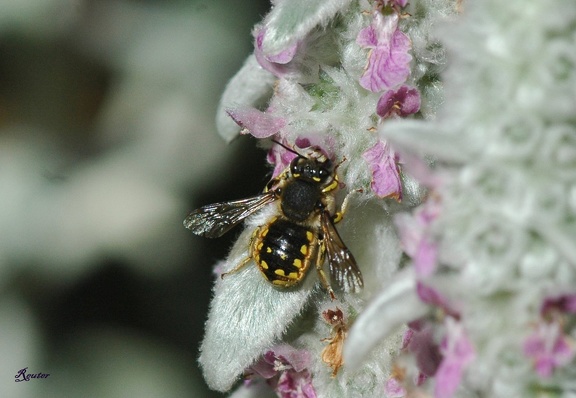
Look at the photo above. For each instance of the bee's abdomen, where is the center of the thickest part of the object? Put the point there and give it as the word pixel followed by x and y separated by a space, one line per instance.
pixel 284 252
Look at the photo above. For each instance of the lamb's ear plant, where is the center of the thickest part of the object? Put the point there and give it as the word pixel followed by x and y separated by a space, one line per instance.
pixel 454 125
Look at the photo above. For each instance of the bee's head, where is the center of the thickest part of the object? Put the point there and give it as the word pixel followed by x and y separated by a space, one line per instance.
pixel 313 165
pixel 311 169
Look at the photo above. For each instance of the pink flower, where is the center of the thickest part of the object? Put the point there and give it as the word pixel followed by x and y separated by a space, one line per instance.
pixel 419 340
pixel 426 256
pixel 458 352
pixel 388 60
pixel 385 173
pixel 399 3
pixel 280 157
pixel 402 102
pixel 415 237
pixel 394 389
pixel 277 64
pixel 549 348
pixel 563 303
pixel 295 385
pixel 433 297
pixel 257 123
pixel 380 4
pixel 285 370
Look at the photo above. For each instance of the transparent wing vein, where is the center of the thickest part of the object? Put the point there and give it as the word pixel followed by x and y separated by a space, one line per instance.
pixel 343 268
pixel 213 221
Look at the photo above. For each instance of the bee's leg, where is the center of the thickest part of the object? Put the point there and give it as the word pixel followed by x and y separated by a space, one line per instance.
pixel 321 274
pixel 274 182
pixel 337 217
pixel 335 181
pixel 247 259
pixel 237 268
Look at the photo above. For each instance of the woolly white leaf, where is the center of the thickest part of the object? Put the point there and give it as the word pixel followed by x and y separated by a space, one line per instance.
pixel 247 315
pixel 395 305
pixel 251 86
pixel 254 390
pixel 562 238
pixel 425 138
pixel 290 21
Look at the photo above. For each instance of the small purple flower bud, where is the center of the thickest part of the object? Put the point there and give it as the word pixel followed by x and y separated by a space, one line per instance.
pixel 402 102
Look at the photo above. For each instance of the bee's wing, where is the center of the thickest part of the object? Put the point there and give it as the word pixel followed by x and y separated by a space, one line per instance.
pixel 343 268
pixel 216 219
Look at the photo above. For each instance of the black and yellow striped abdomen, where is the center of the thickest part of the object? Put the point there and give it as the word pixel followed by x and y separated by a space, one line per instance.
pixel 283 251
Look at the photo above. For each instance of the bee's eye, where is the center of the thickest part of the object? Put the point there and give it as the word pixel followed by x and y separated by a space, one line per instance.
pixel 299 166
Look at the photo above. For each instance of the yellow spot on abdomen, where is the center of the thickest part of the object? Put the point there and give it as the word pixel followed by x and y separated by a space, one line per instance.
pixel 304 249
pixel 263 264
pixel 297 263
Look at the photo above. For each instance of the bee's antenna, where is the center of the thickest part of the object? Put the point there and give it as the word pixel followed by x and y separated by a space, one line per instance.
pixel 289 149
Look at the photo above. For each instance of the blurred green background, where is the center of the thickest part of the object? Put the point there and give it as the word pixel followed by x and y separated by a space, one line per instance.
pixel 107 141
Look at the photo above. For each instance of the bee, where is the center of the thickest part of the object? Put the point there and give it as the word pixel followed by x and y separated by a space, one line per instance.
pixel 302 231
